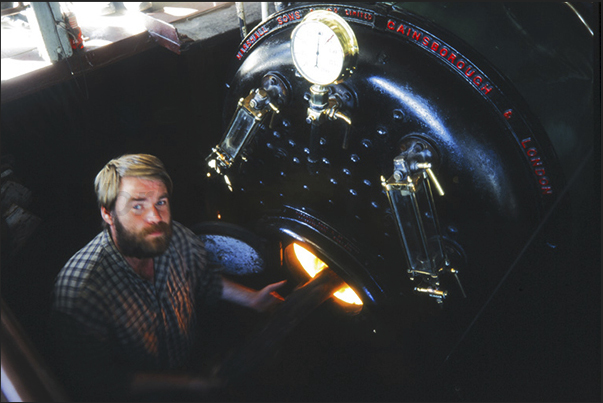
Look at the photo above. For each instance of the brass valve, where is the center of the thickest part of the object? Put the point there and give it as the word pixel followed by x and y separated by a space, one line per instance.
pixel 322 107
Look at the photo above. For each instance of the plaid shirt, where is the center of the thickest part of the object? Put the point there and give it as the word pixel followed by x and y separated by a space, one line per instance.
pixel 109 322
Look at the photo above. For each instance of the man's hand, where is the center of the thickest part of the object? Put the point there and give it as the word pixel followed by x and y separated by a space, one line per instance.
pixel 267 298
pixel 261 301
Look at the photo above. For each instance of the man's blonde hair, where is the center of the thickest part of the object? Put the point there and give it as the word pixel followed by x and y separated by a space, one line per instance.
pixel 108 180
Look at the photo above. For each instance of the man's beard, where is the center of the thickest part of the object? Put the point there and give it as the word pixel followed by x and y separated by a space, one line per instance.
pixel 135 245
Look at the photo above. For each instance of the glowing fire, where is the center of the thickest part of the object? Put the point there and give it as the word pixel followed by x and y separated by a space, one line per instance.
pixel 313 265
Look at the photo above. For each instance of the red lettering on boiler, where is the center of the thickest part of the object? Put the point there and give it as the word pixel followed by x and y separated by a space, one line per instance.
pixel 486 89
pixel 361 15
pixel 292 16
pixel 540 172
pixel 508 114
pixel 441 50
pixel 251 40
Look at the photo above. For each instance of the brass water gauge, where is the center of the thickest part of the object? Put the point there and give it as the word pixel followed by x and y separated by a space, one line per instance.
pixel 324 48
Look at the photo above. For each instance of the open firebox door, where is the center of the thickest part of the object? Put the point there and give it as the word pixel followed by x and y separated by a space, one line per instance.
pixel 388 160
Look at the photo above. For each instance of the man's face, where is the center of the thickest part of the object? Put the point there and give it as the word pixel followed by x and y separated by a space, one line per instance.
pixel 142 225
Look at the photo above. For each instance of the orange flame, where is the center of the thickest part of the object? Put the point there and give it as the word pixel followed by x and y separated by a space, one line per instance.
pixel 313 265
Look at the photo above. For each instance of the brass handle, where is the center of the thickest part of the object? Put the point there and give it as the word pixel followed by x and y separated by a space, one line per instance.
pixel 427 167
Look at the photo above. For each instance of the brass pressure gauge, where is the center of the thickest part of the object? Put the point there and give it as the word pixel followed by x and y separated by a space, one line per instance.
pixel 324 48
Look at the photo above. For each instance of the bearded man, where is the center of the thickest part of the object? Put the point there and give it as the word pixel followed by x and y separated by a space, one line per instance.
pixel 125 307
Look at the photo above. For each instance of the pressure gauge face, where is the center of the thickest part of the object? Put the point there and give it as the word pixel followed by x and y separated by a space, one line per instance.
pixel 324 48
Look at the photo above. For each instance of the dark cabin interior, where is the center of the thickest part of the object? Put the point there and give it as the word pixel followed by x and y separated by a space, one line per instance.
pixel 538 338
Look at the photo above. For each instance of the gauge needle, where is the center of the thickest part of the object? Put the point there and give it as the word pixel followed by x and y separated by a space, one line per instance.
pixel 317 49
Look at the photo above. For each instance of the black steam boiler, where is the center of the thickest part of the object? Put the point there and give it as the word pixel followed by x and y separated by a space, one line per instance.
pixel 415 149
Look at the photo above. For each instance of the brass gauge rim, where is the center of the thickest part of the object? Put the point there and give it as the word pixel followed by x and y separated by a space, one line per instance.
pixel 345 35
